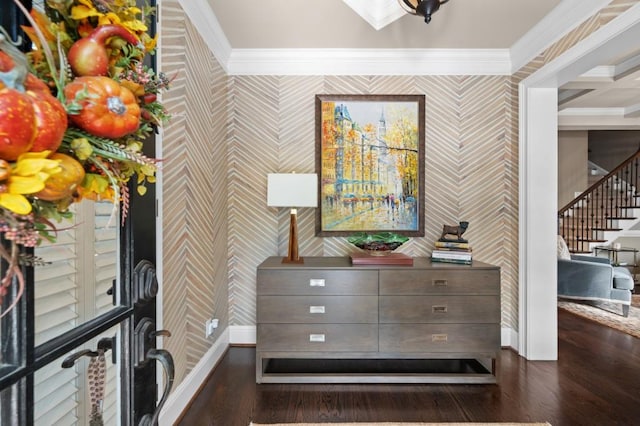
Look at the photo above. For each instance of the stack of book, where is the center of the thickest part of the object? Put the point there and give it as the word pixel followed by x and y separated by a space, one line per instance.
pixel 452 252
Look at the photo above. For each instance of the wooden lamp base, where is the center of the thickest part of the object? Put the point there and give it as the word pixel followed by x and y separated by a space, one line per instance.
pixel 292 256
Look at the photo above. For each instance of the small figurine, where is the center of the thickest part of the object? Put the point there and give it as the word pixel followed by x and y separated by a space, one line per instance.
pixel 454 230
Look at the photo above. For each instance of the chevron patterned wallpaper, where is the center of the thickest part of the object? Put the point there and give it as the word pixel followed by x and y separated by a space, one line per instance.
pixel 467 169
pixel 227 133
pixel 194 182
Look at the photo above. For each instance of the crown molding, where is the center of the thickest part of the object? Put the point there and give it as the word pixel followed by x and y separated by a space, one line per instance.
pixel 592 112
pixel 557 23
pixel 342 61
pixel 387 61
pixel 378 13
pixel 369 62
pixel 632 111
pixel 605 122
pixel 601 72
pixel 619 35
pixel 207 24
pixel 598 119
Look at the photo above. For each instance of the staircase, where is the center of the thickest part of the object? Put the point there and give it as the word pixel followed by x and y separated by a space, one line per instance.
pixel 609 206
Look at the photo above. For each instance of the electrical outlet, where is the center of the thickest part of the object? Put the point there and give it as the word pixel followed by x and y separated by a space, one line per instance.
pixel 210 326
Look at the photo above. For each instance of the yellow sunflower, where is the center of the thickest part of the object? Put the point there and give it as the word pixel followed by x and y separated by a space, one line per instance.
pixel 122 13
pixel 28 176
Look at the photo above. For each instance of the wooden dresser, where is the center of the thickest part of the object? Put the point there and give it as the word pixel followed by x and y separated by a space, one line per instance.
pixel 328 321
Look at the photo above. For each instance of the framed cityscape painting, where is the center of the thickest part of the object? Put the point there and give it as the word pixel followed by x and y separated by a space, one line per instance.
pixel 370 164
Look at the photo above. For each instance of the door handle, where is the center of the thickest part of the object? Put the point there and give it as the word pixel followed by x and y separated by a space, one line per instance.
pixel 143 340
pixel 166 361
pixel 104 345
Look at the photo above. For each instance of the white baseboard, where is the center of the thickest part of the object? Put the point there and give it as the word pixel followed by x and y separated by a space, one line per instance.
pixel 510 338
pixel 182 395
pixel 242 334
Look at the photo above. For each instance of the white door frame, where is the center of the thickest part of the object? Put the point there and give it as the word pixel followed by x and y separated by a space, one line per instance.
pixel 538 330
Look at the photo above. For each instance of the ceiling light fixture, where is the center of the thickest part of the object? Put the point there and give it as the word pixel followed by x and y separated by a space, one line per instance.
pixel 424 8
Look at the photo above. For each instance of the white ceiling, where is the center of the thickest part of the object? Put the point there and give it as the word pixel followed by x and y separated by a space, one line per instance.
pixel 608 97
pixel 605 98
pixel 459 24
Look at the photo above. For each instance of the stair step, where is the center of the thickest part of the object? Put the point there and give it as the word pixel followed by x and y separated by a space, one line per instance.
pixel 629 207
pixel 607 229
pixel 590 240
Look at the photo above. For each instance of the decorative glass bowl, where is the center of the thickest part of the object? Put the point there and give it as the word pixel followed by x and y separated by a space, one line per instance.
pixel 378 244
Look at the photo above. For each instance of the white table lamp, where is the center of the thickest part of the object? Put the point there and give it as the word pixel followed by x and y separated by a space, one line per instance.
pixel 292 190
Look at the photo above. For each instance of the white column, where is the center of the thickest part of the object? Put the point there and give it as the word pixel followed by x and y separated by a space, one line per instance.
pixel 538 223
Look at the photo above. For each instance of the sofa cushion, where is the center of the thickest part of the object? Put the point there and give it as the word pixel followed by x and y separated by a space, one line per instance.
pixel 592 259
pixel 563 250
pixel 622 278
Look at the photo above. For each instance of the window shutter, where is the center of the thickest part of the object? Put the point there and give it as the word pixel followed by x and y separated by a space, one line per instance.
pixel 105 248
pixel 55 395
pixel 56 286
pixel 70 290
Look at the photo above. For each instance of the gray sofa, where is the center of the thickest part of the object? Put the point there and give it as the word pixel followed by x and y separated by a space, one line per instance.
pixel 594 279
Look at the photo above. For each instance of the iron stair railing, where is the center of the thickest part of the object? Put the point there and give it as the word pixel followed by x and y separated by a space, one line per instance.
pixel 600 208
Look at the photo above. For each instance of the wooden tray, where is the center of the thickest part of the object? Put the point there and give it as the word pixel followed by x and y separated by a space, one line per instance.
pixel 358 258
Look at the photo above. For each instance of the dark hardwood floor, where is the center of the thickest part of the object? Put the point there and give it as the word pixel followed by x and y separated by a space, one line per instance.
pixel 596 381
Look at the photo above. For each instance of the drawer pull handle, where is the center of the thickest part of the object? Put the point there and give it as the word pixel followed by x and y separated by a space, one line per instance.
pixel 316 338
pixel 439 309
pixel 439 338
pixel 316 309
pixel 316 282
pixel 440 283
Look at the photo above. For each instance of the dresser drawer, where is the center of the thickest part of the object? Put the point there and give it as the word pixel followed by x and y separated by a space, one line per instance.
pixel 439 309
pixel 317 309
pixel 469 338
pixel 456 281
pixel 317 337
pixel 316 282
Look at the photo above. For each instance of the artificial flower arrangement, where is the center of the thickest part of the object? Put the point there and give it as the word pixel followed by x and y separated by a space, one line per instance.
pixel 74 114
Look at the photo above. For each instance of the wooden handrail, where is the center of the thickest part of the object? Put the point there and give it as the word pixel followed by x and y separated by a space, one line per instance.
pixel 600 182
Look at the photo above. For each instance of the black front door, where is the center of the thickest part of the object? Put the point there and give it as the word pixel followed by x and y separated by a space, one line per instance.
pixel 79 347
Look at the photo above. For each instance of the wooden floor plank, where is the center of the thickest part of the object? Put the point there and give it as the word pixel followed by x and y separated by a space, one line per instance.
pixel 596 381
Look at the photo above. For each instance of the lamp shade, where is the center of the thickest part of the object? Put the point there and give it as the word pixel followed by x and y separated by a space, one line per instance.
pixel 292 190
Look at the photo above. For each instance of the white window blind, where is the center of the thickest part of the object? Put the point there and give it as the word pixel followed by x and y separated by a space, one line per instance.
pixel 70 290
